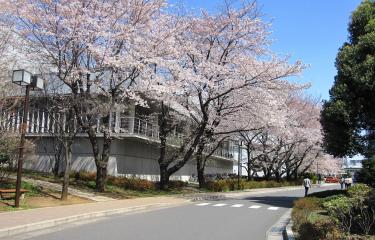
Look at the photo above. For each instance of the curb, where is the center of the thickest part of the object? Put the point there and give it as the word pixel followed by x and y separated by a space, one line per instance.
pixel 276 232
pixel 207 197
pixel 288 232
pixel 233 194
pixel 7 232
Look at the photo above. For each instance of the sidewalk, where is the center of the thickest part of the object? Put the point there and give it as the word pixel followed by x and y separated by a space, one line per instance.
pixel 34 219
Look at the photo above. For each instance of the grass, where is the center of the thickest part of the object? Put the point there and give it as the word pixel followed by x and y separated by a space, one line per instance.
pixel 10 184
pixel 122 188
pixel 85 182
pixel 36 197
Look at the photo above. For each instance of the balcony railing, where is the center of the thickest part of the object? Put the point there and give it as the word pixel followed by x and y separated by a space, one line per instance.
pixel 41 123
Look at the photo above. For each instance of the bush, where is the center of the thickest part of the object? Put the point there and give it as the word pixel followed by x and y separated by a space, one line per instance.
pixel 8 151
pixel 232 184
pixel 328 193
pixel 84 176
pixel 367 173
pixel 314 179
pixel 136 184
pixel 341 209
pixel 302 210
pixel 354 213
pixel 217 186
pixel 318 230
pixel 359 191
pixel 310 223
pixel 139 184
pixel 177 184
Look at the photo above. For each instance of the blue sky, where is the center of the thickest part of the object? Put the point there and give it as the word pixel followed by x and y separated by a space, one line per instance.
pixel 309 30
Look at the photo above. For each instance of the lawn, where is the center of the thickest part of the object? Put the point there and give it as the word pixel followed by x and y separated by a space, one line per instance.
pixel 35 198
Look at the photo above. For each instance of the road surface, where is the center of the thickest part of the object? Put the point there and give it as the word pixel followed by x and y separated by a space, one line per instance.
pixel 248 216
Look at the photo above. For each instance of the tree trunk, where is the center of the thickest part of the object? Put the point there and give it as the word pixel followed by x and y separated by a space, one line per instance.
pixel 277 176
pixel 288 175
pixel 164 177
pixel 249 176
pixel 200 171
pixel 201 163
pixel 58 151
pixel 101 160
pixel 296 175
pixel 68 160
pixel 101 176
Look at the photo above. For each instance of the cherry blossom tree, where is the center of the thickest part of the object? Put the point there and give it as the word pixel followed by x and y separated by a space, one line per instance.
pixel 222 60
pixel 328 165
pixel 290 148
pixel 98 50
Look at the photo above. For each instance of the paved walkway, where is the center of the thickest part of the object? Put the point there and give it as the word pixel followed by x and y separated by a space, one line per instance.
pixel 34 219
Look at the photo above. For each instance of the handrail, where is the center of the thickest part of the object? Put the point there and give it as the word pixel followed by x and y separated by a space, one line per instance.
pixel 42 122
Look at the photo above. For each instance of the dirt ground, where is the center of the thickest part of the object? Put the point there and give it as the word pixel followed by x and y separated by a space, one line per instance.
pixel 45 200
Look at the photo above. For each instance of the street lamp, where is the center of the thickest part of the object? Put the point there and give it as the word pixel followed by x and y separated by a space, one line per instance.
pixel 24 78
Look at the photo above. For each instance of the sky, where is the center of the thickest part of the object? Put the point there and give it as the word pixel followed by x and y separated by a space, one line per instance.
pixel 308 30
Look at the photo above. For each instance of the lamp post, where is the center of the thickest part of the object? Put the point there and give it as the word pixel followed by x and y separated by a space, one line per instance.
pixel 24 78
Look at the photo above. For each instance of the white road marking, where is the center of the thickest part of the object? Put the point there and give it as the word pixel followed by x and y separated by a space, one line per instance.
pixel 237 205
pixel 203 204
pixel 219 204
pixel 255 206
pixel 273 208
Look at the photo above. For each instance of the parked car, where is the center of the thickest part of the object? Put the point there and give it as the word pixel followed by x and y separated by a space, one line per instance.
pixel 332 180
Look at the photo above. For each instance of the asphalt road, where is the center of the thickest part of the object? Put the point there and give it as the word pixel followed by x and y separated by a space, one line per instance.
pixel 246 217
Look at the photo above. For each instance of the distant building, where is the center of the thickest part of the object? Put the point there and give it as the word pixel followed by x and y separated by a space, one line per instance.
pixel 353 164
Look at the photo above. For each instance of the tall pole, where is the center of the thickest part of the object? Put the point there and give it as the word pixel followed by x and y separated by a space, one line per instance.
pixel 22 147
pixel 239 164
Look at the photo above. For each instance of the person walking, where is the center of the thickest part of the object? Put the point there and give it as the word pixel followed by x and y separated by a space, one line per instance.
pixel 319 179
pixel 348 182
pixel 307 185
pixel 342 181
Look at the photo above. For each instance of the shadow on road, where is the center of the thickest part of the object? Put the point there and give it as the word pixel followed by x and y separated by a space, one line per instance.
pixel 277 201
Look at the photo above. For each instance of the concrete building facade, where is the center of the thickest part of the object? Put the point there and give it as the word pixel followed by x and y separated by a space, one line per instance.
pixel 134 150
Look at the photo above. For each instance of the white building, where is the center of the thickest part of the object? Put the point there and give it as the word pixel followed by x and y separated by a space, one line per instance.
pixel 134 151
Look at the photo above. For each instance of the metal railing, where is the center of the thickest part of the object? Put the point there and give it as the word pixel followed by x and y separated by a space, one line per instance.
pixel 49 123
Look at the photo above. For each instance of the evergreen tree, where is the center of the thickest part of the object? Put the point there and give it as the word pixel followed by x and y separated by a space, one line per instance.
pixel 348 117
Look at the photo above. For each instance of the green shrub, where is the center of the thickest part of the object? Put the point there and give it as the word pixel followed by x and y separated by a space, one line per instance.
pixel 302 209
pixel 217 186
pixel 341 209
pixel 318 230
pixel 232 184
pixel 359 191
pixel 367 172
pixel 83 176
pixel 327 193
pixel 314 179
pixel 176 184
pixel 116 181
pixel 138 184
